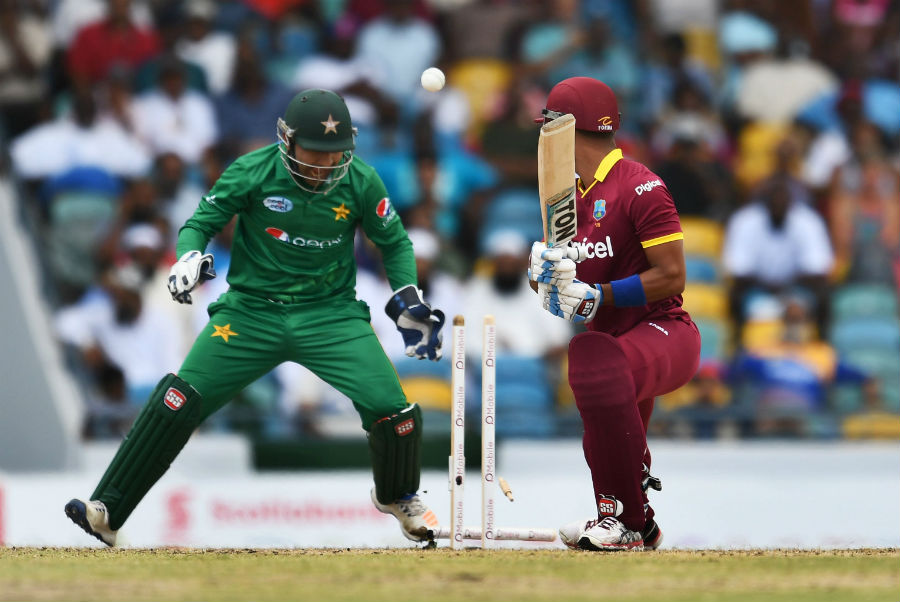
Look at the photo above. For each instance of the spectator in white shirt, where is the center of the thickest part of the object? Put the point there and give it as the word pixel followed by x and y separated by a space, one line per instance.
pixel 775 244
pixel 174 118
pixel 80 140
pixel 213 51
pixel 524 328
pixel 402 46
pixel 118 328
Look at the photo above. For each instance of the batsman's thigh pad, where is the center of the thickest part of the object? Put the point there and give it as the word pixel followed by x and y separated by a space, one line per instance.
pixel 395 442
pixel 159 433
pixel 599 373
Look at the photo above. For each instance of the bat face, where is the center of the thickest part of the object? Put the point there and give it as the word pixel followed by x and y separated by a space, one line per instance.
pixel 556 180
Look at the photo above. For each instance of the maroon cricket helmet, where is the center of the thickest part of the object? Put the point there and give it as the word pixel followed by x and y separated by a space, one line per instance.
pixel 590 101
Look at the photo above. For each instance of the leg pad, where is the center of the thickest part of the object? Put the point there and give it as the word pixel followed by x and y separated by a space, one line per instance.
pixel 394 443
pixel 160 432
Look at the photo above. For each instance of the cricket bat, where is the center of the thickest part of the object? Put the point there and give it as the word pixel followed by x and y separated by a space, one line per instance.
pixel 556 180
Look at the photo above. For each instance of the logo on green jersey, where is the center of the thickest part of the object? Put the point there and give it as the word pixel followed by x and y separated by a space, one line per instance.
pixel 279 204
pixel 299 241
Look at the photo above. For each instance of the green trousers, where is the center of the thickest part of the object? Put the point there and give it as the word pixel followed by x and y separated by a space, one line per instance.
pixel 247 336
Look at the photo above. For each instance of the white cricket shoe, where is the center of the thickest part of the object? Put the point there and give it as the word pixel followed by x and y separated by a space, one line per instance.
pixel 610 534
pixel 571 533
pixel 93 518
pixel 417 521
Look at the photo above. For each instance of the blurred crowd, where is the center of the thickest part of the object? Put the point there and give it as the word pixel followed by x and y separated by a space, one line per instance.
pixel 775 126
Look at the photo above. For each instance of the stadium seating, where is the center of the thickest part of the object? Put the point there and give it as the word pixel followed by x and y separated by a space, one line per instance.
pixel 873 300
pixel 706 301
pixel 524 400
pixel 883 365
pixel 516 209
pixel 876 334
pixel 701 269
pixel 702 237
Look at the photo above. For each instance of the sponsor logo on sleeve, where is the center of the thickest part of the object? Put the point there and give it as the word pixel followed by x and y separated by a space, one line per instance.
pixel 385 211
pixel 174 399
pixel 278 204
pixel 647 186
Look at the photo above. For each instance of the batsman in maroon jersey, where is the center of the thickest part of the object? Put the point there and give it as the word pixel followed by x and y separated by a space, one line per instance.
pixel 622 277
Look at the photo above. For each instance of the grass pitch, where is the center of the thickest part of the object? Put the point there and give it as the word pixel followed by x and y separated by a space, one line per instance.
pixel 442 574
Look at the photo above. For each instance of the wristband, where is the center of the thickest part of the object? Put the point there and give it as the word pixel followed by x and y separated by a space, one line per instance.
pixel 628 292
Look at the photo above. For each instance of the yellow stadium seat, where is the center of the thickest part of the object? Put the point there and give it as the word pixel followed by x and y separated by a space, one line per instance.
pixel 762 334
pixel 756 152
pixel 706 301
pixel 702 237
pixel 429 392
pixel 703 45
pixel 482 81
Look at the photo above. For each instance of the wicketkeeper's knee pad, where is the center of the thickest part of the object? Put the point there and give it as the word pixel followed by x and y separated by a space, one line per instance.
pixel 599 373
pixel 395 442
pixel 160 431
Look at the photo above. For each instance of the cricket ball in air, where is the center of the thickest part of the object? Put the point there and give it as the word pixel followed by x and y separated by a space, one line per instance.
pixel 433 79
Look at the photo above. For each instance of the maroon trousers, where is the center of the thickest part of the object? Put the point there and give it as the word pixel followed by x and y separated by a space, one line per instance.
pixel 615 380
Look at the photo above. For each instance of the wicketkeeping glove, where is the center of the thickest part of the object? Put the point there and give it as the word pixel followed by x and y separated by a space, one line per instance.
pixel 552 265
pixel 574 301
pixel 192 268
pixel 419 325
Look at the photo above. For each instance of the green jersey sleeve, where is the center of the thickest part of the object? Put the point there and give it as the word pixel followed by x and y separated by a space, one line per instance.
pixel 382 225
pixel 229 196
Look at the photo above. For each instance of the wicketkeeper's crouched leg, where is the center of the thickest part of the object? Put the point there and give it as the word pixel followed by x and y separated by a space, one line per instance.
pixel 170 416
pixel 395 444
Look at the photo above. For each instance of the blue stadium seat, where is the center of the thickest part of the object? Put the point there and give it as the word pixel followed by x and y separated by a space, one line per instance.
pixel 885 366
pixel 701 269
pixel 864 300
pixel 855 334
pixel 516 209
pixel 411 367
pixel 713 338
pixel 524 400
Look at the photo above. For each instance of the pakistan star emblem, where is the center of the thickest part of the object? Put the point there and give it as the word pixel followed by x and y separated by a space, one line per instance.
pixel 224 332
pixel 341 212
pixel 330 125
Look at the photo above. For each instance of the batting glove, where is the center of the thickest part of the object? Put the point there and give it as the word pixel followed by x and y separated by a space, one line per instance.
pixel 192 268
pixel 575 301
pixel 552 265
pixel 419 325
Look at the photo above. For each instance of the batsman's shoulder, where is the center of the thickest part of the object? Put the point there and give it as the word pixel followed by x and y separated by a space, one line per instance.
pixel 644 182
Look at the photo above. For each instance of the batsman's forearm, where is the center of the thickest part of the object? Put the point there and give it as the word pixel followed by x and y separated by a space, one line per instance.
pixel 660 283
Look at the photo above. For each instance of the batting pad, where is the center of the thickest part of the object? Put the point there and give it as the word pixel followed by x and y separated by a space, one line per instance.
pixel 394 443
pixel 159 433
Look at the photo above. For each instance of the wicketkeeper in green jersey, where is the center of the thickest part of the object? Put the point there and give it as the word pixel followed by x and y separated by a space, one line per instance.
pixel 291 297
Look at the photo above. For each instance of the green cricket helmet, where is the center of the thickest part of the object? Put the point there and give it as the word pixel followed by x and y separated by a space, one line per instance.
pixel 316 120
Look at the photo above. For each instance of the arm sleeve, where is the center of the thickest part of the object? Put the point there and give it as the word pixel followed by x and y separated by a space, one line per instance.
pixel 228 196
pixel 655 218
pixel 382 225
